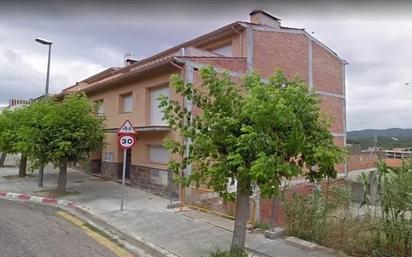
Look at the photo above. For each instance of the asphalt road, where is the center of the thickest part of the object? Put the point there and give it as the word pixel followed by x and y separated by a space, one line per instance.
pixel 30 230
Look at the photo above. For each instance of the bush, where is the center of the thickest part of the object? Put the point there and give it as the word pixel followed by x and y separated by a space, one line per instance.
pixel 392 232
pixel 308 216
pixel 324 217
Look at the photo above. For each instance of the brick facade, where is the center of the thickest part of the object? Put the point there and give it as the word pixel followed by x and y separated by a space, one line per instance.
pixel 273 50
pixel 332 107
pixel 327 70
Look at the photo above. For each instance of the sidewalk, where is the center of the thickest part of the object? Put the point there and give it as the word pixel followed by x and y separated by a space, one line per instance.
pixel 146 218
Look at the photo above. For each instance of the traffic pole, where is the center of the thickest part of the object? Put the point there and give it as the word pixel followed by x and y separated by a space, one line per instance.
pixel 123 178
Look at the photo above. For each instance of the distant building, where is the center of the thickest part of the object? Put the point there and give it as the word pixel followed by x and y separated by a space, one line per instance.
pixel 17 103
pixel 396 156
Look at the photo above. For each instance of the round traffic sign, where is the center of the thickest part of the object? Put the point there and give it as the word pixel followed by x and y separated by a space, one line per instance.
pixel 127 141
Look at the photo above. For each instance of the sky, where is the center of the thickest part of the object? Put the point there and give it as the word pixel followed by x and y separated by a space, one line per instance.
pixel 89 36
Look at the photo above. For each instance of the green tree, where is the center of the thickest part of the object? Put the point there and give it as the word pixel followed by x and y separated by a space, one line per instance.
pixel 11 122
pixel 69 134
pixel 257 134
pixel 61 133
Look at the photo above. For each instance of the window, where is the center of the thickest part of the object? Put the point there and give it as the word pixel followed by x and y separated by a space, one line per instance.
pixel 126 103
pixel 159 154
pixel 224 50
pixel 156 115
pixel 99 107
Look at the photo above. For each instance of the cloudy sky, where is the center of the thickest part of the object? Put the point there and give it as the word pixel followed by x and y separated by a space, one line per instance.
pixel 89 36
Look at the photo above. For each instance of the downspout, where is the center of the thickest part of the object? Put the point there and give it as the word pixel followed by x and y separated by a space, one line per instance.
pixel 187 74
pixel 181 199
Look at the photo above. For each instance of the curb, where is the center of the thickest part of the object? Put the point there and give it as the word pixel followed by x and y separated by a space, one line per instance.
pixel 37 199
pixel 302 244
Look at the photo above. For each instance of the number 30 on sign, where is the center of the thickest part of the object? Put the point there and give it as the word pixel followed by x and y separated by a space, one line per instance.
pixel 127 141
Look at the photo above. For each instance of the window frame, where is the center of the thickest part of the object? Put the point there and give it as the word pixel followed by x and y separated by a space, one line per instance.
pixel 122 102
pixel 149 155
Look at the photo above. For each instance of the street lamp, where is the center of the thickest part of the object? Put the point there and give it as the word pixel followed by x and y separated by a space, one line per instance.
pixel 49 43
pixel 46 94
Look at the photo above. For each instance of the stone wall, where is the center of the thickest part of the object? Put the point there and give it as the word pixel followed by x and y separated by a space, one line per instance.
pixel 144 178
pixel 110 170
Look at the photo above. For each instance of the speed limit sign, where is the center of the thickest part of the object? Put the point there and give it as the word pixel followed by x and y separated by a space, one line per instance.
pixel 127 141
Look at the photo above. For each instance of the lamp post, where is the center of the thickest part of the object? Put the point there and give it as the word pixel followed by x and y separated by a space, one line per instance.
pixel 46 94
pixel 49 43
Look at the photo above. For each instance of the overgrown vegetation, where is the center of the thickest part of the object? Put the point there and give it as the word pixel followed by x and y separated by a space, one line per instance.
pixel 383 231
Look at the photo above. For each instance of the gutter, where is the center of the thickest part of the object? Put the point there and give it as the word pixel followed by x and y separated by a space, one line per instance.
pixel 126 76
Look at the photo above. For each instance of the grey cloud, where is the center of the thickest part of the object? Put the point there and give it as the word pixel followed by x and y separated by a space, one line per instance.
pixel 92 35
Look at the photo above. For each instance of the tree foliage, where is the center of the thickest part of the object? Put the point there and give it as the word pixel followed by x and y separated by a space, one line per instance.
pixel 53 132
pixel 257 134
pixel 262 132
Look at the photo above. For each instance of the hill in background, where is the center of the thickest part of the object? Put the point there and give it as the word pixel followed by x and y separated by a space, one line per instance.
pixel 386 138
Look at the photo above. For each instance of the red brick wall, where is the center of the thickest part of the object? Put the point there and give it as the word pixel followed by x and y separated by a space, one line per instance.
pixel 332 107
pixel 238 64
pixel 362 161
pixel 327 70
pixel 266 205
pixel 274 50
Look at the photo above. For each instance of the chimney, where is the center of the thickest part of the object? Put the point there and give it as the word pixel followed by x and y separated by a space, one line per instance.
pixel 129 59
pixel 263 18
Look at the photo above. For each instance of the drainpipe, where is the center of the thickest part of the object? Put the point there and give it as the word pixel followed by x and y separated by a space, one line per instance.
pixel 182 140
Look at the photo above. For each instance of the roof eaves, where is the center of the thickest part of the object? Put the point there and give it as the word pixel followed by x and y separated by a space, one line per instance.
pixel 184 44
pixel 126 75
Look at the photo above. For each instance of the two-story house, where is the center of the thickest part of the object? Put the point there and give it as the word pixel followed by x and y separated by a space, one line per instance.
pixel 262 44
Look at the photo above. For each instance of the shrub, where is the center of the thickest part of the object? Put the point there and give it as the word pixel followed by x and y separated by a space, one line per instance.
pixel 385 231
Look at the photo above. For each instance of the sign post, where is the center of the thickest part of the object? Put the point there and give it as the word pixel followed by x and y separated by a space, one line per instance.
pixel 126 140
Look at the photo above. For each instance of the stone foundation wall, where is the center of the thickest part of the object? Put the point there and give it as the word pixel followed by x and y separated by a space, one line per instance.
pixel 109 170
pixel 144 178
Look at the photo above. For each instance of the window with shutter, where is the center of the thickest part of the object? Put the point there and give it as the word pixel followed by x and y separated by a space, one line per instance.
pixel 156 115
pixel 126 103
pixel 158 154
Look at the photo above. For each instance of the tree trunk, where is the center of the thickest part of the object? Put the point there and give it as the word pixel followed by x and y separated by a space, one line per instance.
pixel 23 165
pixel 2 159
pixel 241 218
pixel 41 175
pixel 62 179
